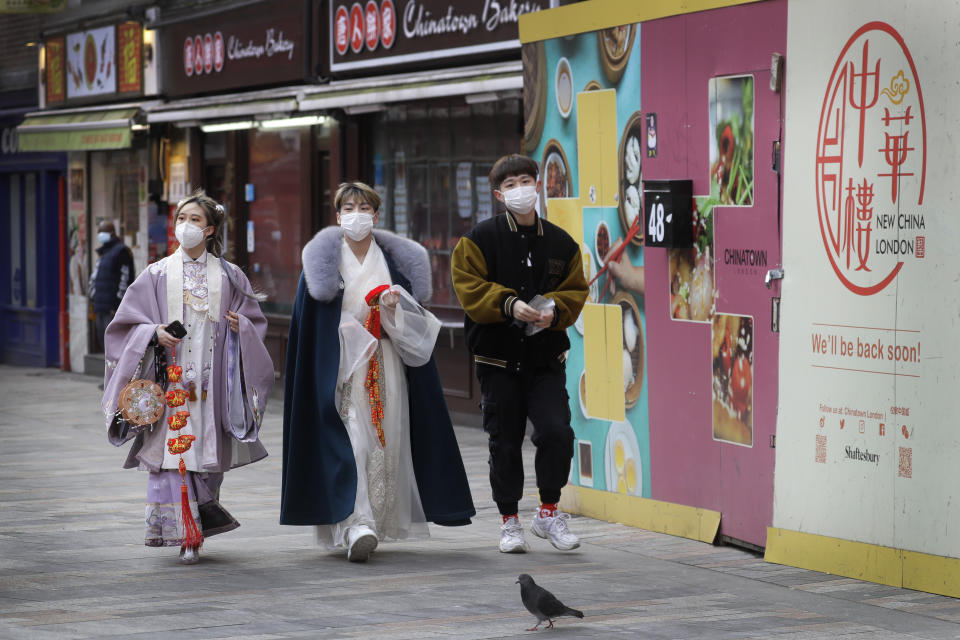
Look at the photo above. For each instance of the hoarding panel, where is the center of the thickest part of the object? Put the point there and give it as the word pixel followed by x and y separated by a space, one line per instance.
pixel 868 375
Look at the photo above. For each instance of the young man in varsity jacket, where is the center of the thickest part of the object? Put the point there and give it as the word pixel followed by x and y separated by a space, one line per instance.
pixel 498 268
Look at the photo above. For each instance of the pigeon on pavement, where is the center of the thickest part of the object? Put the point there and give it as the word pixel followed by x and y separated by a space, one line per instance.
pixel 542 603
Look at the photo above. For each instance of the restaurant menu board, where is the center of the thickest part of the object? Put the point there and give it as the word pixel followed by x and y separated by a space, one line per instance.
pixel 866 435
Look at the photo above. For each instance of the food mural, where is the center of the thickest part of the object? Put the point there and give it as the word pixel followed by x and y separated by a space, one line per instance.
pixel 582 100
pixel 672 370
pixel 867 443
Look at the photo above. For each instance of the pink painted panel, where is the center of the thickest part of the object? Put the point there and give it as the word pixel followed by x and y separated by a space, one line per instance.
pixel 689 466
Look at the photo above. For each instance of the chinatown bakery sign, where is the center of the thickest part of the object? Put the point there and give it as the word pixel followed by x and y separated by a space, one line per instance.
pixel 259 44
pixel 389 33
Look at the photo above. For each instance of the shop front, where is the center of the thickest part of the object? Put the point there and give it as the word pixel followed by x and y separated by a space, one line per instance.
pixel 32 212
pixel 92 113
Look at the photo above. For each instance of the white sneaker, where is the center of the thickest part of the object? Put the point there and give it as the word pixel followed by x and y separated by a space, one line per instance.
pixel 511 536
pixel 555 529
pixel 189 555
pixel 361 541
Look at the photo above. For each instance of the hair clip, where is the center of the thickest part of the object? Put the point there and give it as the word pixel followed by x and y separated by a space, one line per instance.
pixel 221 210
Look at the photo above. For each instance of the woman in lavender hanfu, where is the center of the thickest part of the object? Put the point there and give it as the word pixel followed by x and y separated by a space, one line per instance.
pixel 226 369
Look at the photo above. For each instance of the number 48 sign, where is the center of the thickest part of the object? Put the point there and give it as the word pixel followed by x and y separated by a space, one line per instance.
pixel 668 209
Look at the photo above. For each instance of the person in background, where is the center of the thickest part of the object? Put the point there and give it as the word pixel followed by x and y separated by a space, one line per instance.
pixel 111 276
pixel 520 281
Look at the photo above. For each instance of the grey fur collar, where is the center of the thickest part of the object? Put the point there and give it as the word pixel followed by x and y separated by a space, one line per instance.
pixel 321 263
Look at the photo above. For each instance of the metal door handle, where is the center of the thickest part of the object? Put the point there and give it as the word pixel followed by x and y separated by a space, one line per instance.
pixel 773 274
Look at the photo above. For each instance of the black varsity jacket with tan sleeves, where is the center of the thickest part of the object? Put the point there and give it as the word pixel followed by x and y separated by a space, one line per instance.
pixel 499 262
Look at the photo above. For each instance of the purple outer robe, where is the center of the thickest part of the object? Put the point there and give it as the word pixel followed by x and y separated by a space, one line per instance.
pixel 238 400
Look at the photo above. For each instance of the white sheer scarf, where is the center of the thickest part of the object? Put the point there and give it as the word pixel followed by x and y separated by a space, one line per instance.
pixel 387 498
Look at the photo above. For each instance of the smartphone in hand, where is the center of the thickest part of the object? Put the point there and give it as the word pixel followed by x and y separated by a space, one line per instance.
pixel 176 329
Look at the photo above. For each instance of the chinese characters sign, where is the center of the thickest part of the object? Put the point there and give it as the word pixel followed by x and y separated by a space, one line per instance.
pixel 128 50
pixel 374 34
pixel 243 47
pixel 871 161
pixel 55 55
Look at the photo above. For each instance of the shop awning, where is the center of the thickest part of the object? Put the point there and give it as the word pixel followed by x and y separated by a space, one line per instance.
pixel 219 108
pixel 487 81
pixel 77 131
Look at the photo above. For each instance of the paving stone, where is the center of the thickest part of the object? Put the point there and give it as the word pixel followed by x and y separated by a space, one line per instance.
pixel 73 564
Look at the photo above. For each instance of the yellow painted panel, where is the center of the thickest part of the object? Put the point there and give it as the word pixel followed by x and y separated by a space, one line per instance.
pixel 567 213
pixel 597 147
pixel 594 15
pixel 653 515
pixel 859 560
pixel 935 574
pixel 602 340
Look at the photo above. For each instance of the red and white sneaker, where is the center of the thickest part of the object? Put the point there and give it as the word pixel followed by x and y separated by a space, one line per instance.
pixel 511 536
pixel 554 528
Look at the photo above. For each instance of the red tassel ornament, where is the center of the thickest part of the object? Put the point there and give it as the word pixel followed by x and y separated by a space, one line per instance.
pixel 177 397
pixel 372 382
pixel 192 537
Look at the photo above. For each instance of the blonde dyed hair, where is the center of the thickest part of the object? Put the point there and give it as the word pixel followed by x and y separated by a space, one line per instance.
pixel 360 192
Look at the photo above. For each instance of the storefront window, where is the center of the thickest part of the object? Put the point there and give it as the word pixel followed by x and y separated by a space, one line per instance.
pixel 274 237
pixel 430 161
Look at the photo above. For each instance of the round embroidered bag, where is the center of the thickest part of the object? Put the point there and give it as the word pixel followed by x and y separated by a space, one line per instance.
pixel 141 402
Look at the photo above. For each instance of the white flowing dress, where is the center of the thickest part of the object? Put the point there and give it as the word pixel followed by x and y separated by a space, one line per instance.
pixel 387 498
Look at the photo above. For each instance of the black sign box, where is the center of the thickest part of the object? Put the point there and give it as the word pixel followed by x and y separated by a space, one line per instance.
pixel 668 212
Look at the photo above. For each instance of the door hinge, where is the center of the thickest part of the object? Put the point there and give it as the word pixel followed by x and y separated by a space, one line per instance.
pixel 775 156
pixel 775 315
pixel 773 441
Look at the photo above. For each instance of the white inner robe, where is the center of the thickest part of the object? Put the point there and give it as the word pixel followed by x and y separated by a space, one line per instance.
pixel 387 498
pixel 195 355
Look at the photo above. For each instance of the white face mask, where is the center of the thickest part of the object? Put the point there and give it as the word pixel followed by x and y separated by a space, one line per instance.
pixel 357 226
pixel 103 237
pixel 521 199
pixel 189 235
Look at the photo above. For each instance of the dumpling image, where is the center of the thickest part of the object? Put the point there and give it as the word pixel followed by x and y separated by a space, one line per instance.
pixel 627 370
pixel 630 332
pixel 633 159
pixel 633 204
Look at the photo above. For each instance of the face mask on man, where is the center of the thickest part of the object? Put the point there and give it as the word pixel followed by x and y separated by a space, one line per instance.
pixel 356 225
pixel 103 237
pixel 521 199
pixel 189 235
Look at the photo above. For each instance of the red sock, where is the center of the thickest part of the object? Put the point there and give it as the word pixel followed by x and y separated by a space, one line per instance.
pixel 505 518
pixel 548 509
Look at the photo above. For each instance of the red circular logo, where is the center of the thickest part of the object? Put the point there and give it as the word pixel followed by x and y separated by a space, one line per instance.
pixel 388 24
pixel 341 30
pixel 198 55
pixel 208 53
pixel 188 57
pixel 371 17
pixel 356 28
pixel 871 161
pixel 218 53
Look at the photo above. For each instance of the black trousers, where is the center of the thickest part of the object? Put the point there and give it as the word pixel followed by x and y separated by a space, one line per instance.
pixel 508 399
pixel 103 319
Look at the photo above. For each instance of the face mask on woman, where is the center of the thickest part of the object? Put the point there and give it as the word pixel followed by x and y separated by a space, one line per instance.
pixel 189 235
pixel 521 199
pixel 103 237
pixel 356 225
